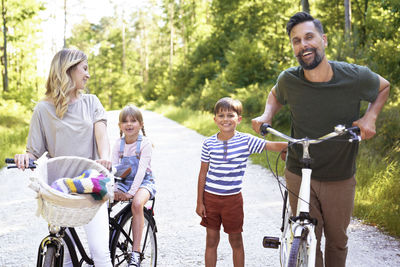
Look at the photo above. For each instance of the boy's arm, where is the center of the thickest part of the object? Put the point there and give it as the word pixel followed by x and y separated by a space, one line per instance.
pixel 276 146
pixel 200 209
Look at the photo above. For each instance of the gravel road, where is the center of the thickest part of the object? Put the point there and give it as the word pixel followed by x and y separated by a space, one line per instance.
pixel 181 240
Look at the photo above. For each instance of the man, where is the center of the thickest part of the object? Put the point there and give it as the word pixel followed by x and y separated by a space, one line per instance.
pixel 322 94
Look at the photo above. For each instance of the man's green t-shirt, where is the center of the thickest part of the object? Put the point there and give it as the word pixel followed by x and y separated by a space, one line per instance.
pixel 317 107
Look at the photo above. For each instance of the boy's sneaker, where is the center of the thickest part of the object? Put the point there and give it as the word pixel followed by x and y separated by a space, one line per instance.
pixel 134 259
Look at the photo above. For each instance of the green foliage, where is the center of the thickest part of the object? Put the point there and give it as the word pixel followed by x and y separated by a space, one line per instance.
pixel 378 174
pixel 114 79
pixel 377 199
pixel 14 128
pixel 388 134
pixel 22 22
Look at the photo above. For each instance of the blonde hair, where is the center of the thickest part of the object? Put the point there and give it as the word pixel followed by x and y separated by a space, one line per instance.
pixel 59 83
pixel 131 111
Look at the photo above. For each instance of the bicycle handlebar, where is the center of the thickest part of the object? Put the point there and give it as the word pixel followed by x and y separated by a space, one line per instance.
pixel 32 163
pixel 338 130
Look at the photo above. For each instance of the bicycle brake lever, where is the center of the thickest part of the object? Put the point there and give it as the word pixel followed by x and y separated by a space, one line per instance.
pixel 355 134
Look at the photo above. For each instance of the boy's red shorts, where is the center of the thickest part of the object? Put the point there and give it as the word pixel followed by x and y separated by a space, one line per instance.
pixel 225 210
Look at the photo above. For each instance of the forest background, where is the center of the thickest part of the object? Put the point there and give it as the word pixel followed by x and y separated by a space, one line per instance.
pixel 179 56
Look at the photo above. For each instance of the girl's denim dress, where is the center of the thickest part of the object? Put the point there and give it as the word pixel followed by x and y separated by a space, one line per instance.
pixel 133 163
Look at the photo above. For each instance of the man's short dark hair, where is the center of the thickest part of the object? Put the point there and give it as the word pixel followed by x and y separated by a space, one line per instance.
pixel 227 103
pixel 300 17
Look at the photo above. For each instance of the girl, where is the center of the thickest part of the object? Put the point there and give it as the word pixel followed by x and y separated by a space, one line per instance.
pixel 69 123
pixel 131 156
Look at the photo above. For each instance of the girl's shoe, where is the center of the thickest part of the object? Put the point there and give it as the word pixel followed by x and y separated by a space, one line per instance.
pixel 134 259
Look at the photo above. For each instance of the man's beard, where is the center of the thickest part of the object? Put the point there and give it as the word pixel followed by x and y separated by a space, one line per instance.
pixel 317 58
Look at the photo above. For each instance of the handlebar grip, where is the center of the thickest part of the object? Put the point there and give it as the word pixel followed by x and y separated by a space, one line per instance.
pixel 9 161
pixel 32 164
pixel 264 128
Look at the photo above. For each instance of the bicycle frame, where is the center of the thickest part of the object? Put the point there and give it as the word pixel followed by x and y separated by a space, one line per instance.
pixel 51 248
pixel 57 235
pixel 301 226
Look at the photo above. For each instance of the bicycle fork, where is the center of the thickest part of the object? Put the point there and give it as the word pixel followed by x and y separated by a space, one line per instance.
pixel 59 253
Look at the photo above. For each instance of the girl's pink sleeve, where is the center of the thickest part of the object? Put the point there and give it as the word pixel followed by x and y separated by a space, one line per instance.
pixel 146 151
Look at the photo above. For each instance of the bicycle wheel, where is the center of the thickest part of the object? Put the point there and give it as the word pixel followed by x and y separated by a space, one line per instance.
pixel 122 244
pixel 298 253
pixel 287 236
pixel 50 256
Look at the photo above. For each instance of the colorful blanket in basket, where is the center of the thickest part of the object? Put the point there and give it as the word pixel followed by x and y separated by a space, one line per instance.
pixel 88 182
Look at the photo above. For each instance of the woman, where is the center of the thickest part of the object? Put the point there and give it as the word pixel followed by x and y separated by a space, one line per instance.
pixel 69 123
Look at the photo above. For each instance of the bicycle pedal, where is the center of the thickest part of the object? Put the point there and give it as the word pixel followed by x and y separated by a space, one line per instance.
pixel 271 242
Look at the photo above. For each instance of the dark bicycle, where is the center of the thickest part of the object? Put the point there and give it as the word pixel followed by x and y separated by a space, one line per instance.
pixel 51 248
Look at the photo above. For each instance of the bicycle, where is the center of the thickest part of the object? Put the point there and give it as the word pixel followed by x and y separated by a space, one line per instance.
pixel 51 248
pixel 298 242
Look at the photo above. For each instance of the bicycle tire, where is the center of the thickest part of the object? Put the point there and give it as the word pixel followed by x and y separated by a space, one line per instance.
pixel 298 253
pixel 50 256
pixel 287 236
pixel 122 245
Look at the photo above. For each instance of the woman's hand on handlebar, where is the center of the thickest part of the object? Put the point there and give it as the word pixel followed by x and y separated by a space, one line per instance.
pixel 22 160
pixel 122 196
pixel 106 163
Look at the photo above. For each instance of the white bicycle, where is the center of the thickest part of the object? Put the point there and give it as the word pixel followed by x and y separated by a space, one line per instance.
pixel 298 241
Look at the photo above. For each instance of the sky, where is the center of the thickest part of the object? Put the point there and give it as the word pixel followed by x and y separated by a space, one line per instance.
pixel 77 10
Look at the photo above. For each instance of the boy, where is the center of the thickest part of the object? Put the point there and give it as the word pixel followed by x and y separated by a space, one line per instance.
pixel 223 162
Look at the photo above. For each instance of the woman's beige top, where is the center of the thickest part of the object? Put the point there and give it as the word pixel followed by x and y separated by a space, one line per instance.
pixel 73 135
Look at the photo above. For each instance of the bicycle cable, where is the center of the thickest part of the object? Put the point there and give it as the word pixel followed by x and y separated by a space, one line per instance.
pixel 276 174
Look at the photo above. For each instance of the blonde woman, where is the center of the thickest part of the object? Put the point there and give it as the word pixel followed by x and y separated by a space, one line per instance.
pixel 68 122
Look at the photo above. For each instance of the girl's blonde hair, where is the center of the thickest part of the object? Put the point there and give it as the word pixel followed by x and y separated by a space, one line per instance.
pixel 59 83
pixel 131 111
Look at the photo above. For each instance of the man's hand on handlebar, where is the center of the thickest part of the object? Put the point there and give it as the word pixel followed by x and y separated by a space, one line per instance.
pixel 367 128
pixel 257 122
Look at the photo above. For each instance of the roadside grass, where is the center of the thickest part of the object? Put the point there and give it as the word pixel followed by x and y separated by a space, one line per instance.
pixel 378 177
pixel 14 128
pixel 378 191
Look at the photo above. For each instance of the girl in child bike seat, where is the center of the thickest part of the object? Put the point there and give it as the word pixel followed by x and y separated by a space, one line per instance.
pixel 131 156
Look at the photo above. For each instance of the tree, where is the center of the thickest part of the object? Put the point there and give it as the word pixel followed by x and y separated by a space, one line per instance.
pixel 5 73
pixel 305 6
pixel 347 20
pixel 21 22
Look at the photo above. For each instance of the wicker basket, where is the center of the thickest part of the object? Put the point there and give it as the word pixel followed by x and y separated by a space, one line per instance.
pixel 58 208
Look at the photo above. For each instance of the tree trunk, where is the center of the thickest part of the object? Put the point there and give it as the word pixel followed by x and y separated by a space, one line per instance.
pixel 171 47
pixel 305 6
pixel 347 17
pixel 5 73
pixel 123 45
pixel 65 23
pixel 144 53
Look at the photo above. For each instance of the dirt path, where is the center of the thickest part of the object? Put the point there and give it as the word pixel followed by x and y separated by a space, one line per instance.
pixel 181 239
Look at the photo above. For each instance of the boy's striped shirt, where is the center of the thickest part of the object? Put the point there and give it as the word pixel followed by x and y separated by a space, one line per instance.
pixel 227 161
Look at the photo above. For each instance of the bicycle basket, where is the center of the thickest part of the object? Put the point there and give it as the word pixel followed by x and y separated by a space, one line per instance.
pixel 62 209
